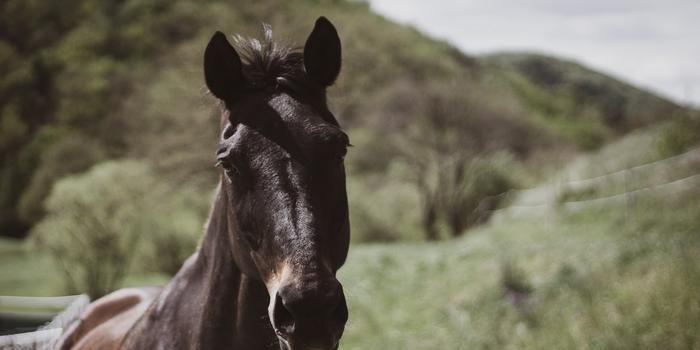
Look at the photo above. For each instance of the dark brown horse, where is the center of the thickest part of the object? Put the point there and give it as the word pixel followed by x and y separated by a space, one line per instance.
pixel 264 276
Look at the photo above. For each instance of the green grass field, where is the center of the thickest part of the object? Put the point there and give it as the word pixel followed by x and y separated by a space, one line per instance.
pixel 26 272
pixel 596 280
pixel 617 276
pixel 608 278
pixel 622 276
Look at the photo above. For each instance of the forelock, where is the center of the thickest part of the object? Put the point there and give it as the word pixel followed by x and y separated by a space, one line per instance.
pixel 264 61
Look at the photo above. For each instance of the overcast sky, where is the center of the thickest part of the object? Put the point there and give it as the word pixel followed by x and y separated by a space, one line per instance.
pixel 653 44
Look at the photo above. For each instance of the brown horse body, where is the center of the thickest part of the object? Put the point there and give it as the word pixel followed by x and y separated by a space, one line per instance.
pixel 264 276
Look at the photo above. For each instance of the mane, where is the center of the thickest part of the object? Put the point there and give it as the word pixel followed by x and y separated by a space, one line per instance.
pixel 265 61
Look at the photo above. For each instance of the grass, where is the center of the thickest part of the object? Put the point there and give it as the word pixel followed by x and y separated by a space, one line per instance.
pixel 25 272
pixel 633 163
pixel 598 280
pixel 607 278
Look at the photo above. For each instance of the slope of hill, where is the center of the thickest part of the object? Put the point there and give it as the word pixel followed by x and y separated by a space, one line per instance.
pixel 75 79
pixel 609 277
pixel 123 79
pixel 580 104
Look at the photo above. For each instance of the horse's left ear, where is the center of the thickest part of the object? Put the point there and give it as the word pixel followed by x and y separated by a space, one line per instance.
pixel 322 53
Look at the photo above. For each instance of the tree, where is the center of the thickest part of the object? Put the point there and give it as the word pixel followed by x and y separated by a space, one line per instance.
pixel 449 143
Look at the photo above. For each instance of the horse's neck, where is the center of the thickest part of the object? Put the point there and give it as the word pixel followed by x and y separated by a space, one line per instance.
pixel 210 303
pixel 234 311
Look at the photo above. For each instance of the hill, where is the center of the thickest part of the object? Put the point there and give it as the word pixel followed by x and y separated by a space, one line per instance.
pixel 107 80
pixel 613 276
pixel 437 134
pixel 580 104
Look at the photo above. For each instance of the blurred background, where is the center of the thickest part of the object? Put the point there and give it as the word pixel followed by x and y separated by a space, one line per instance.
pixel 525 174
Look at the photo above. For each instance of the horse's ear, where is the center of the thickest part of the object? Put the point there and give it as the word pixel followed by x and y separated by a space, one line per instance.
pixel 322 53
pixel 222 68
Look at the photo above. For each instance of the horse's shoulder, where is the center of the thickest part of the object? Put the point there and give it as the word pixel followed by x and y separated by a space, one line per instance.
pixel 105 309
pixel 119 301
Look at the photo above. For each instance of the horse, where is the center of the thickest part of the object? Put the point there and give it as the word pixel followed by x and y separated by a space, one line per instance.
pixel 264 276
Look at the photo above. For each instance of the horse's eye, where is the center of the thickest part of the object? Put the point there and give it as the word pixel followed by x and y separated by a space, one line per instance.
pixel 223 159
pixel 229 168
pixel 226 164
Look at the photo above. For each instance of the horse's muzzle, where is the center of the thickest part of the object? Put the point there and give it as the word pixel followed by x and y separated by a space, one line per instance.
pixel 309 314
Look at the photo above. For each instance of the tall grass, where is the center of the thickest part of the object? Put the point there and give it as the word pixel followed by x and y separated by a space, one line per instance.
pixel 608 278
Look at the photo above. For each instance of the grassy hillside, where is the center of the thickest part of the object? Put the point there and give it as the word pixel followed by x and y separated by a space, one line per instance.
pixel 608 277
pixel 92 91
pixel 592 280
pixel 113 79
pixel 579 104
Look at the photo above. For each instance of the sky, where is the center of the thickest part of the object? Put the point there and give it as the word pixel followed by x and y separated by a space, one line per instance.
pixel 652 44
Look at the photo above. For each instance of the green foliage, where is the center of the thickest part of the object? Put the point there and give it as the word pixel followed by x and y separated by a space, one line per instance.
pixel 581 106
pixel 486 179
pixel 438 134
pixel 387 206
pixel 26 271
pixel 608 278
pixel 68 156
pixel 384 208
pixel 93 224
pixel 70 65
pixel 175 225
pixel 12 127
pixel 445 134
pixel 588 280
pixel 514 280
pixel 128 73
pixel 119 212
pixel 680 135
pixel 570 195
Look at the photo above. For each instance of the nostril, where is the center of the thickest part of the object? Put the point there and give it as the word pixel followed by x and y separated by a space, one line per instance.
pixel 228 131
pixel 282 319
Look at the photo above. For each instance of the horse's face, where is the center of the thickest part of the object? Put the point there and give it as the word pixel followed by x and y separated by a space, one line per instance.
pixel 282 153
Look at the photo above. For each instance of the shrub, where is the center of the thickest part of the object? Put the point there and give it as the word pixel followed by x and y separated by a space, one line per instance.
pixel 383 208
pixel 99 223
pixel 472 200
pixel 93 223
pixel 68 156
pixel 683 133
pixel 175 219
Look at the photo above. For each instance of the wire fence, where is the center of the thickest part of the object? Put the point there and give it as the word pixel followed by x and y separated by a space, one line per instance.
pixel 547 193
pixel 549 199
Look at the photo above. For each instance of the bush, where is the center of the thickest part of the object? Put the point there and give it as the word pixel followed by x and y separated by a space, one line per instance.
pixel 68 156
pixel 176 220
pixel 683 133
pixel 485 179
pixel 93 224
pixel 99 223
pixel 384 208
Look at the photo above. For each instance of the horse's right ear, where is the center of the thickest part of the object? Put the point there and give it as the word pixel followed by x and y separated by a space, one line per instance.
pixel 222 68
